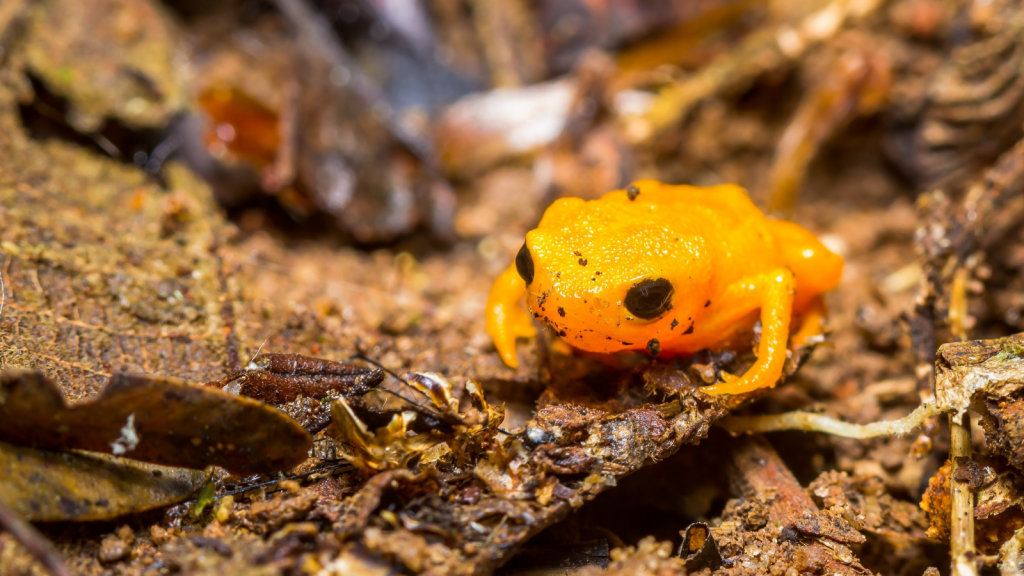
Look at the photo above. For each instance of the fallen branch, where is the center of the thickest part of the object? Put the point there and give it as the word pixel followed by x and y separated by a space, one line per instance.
pixel 3 293
pixel 757 474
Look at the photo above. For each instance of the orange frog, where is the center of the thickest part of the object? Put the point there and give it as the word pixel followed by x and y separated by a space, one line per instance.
pixel 669 270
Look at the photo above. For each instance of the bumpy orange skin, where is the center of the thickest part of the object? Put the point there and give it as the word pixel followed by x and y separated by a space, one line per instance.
pixel 728 264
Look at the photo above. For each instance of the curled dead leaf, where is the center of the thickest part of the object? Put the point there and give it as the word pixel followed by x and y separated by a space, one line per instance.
pixel 699 549
pixel 385 448
pixel 47 486
pixel 397 444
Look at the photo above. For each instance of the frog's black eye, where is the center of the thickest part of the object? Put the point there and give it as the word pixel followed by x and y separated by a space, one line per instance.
pixel 650 298
pixel 524 264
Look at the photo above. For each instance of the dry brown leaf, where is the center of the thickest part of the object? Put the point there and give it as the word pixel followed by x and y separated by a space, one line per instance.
pixel 47 486
pixel 154 419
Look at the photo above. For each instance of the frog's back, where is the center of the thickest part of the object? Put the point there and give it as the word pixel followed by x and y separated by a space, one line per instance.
pixel 709 212
pixel 728 222
pixel 746 239
pixel 692 208
pixel 719 224
pixel 725 200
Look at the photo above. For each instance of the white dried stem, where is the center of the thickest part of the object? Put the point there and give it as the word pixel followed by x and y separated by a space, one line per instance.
pixel 812 422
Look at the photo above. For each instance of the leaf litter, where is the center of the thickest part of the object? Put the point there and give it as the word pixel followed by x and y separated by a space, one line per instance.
pixel 42 485
pixel 178 291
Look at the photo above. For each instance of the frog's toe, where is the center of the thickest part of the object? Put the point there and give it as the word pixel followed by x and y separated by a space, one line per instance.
pixel 507 351
pixel 506 342
pixel 733 384
pixel 516 325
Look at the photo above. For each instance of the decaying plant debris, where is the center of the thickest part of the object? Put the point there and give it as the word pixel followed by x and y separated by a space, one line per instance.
pixel 323 347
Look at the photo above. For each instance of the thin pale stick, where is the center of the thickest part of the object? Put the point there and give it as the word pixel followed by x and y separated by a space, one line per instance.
pixel 813 422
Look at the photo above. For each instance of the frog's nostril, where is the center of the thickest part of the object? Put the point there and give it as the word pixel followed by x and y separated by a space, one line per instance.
pixel 524 264
pixel 649 298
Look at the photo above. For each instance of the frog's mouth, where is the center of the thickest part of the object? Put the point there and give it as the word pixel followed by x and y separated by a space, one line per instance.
pixel 589 330
pixel 539 309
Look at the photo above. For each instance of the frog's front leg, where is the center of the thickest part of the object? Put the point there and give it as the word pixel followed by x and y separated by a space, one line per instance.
pixel 506 317
pixel 775 292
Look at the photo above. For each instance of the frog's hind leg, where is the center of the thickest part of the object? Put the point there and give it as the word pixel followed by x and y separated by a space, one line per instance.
pixel 776 291
pixel 506 317
pixel 812 322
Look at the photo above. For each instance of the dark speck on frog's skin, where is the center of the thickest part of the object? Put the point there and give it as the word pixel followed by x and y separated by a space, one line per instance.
pixel 583 261
pixel 708 303
pixel 674 324
pixel 653 347
pixel 689 330
pixel 632 192
pixel 561 312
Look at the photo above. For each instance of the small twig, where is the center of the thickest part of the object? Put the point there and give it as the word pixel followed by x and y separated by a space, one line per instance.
pixel 227 312
pixel 961 537
pixel 302 476
pixel 407 400
pixel 161 152
pixel 386 370
pixel 811 422
pixel 106 145
pixel 494 532
pixel 258 350
pixel 957 316
pixel 394 375
pixel 35 543
pixel 3 293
